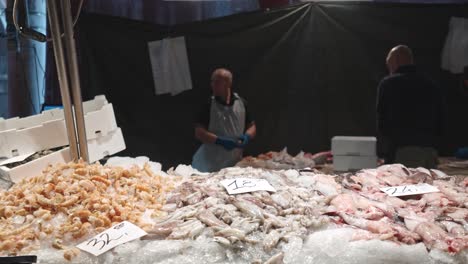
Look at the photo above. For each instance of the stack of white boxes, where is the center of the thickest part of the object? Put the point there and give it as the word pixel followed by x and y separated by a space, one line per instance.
pixel 21 137
pixel 353 153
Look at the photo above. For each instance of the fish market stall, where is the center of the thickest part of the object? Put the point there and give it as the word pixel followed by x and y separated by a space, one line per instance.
pixel 190 217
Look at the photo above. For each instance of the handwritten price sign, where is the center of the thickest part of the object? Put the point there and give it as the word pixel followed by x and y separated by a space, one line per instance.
pixel 409 189
pixel 112 237
pixel 244 185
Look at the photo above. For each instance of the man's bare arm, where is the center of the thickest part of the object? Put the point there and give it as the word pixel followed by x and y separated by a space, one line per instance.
pixel 251 130
pixel 205 136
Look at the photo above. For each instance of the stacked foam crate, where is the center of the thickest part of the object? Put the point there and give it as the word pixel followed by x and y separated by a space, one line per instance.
pixel 353 153
pixel 22 137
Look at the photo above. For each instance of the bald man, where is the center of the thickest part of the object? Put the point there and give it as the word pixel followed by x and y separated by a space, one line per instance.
pixel 225 126
pixel 409 113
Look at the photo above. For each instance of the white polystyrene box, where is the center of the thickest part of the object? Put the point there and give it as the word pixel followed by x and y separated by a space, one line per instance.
pixel 93 105
pixel 34 167
pixel 103 146
pixel 30 121
pixel 47 130
pixel 98 148
pixel 50 134
pixel 353 146
pixel 347 163
pixel 100 122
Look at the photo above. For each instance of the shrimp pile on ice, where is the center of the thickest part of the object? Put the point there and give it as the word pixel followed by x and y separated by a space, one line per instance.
pixel 69 203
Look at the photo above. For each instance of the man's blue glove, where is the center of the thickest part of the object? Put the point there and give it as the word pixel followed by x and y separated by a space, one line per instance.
pixel 227 143
pixel 245 138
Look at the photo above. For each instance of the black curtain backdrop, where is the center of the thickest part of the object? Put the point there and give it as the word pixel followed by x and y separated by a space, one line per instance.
pixel 309 72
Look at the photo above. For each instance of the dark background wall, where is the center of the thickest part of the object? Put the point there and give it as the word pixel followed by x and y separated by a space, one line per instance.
pixel 309 72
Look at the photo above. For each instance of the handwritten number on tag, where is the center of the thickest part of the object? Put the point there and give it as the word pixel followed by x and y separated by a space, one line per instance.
pixel 235 184
pixel 104 241
pixel 112 237
pixel 247 183
pixel 244 184
pixel 119 225
pixel 390 190
pixel 409 189
pixel 95 241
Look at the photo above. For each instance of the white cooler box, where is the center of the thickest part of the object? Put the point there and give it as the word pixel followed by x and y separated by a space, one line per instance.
pixel 347 163
pixel 354 153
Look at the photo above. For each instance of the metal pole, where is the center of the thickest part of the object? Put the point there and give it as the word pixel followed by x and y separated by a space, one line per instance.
pixel 74 78
pixel 62 76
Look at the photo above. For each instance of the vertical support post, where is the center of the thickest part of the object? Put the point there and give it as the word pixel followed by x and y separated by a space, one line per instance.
pixel 74 76
pixel 62 76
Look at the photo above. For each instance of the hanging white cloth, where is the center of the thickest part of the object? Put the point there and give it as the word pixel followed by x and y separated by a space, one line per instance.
pixel 170 66
pixel 455 52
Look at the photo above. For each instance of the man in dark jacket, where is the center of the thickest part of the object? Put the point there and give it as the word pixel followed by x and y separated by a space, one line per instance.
pixel 409 113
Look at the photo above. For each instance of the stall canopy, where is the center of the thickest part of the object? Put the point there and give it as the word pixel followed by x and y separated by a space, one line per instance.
pixel 309 72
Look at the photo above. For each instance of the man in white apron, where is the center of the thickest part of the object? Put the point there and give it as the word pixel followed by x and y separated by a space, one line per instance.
pixel 225 126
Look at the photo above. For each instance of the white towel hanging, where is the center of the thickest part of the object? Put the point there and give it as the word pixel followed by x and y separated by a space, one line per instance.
pixel 455 52
pixel 170 65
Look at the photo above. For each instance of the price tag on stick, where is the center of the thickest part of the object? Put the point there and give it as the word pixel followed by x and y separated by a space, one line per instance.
pixel 409 189
pixel 112 237
pixel 245 185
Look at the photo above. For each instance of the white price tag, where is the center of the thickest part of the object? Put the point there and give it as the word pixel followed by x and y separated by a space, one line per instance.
pixel 112 237
pixel 409 189
pixel 244 185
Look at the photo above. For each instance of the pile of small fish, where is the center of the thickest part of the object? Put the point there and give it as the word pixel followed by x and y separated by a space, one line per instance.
pixel 280 161
pixel 306 202
pixel 201 206
pixel 438 219
pixel 194 218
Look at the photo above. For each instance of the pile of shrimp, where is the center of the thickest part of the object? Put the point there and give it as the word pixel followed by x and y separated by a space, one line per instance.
pixel 69 203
